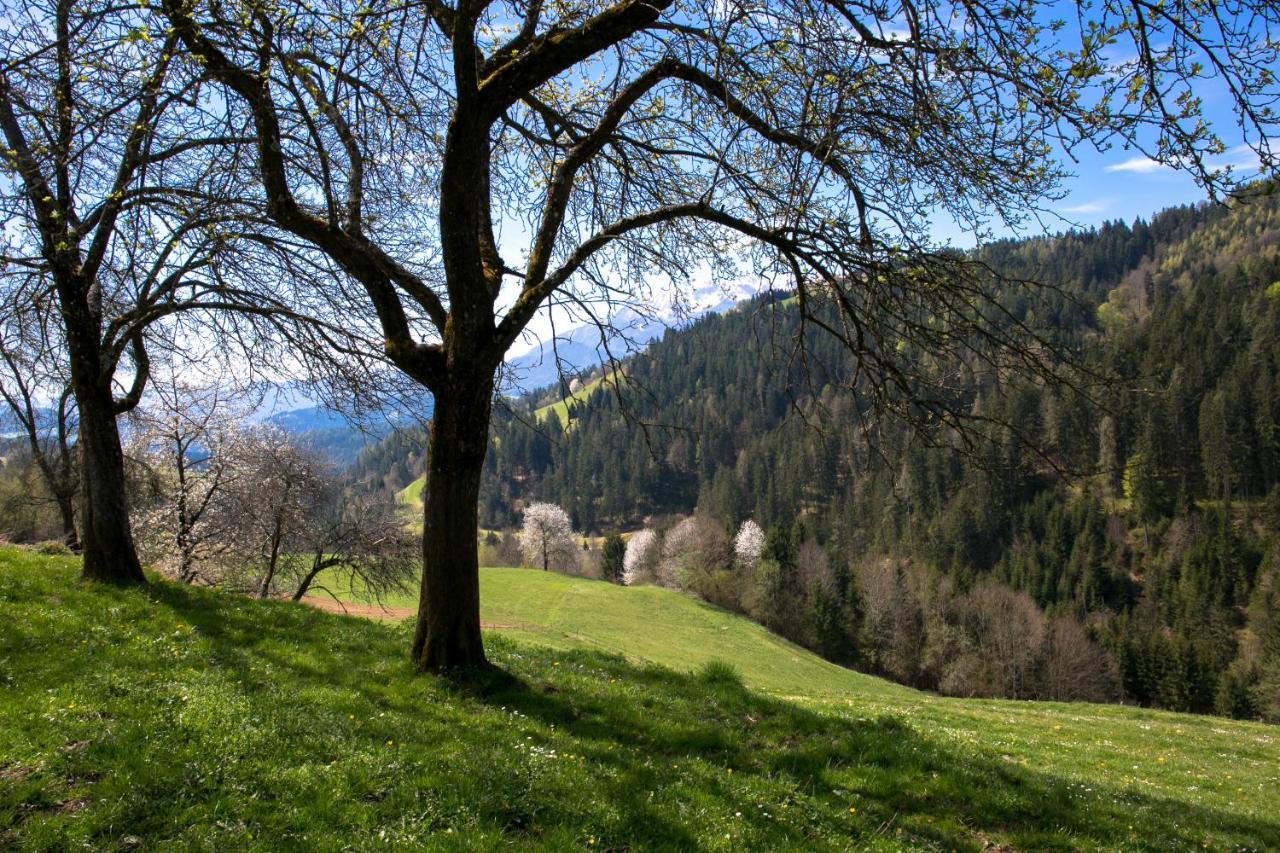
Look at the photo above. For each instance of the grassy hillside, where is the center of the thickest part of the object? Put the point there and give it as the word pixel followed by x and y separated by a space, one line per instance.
pixel 561 407
pixel 178 717
pixel 648 625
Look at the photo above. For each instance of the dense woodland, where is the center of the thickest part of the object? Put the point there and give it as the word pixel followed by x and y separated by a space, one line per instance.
pixel 1143 504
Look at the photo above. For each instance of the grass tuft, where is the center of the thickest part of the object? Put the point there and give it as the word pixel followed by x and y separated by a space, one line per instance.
pixel 719 673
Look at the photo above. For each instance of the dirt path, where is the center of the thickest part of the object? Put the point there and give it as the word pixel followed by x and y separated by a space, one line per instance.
pixel 352 608
pixel 377 611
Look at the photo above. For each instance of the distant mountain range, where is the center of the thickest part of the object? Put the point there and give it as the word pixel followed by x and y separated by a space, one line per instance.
pixel 294 408
pixel 583 348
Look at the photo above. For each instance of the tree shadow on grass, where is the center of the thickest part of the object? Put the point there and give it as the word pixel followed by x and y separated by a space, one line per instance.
pixel 670 757
pixel 892 774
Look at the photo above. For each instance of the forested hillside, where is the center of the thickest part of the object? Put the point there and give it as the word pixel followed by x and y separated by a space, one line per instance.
pixel 1144 504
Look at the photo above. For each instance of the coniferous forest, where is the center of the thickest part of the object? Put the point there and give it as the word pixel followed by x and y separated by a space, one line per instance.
pixel 1140 505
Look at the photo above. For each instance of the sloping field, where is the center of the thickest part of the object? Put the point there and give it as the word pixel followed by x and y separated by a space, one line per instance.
pixel 173 717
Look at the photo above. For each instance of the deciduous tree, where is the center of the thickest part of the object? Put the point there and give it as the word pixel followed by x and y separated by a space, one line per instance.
pixel 35 387
pixel 628 142
pixel 105 196
pixel 192 438
pixel 547 537
pixel 640 561
pixel 748 545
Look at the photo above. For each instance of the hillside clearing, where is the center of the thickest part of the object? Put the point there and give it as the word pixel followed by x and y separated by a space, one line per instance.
pixel 562 408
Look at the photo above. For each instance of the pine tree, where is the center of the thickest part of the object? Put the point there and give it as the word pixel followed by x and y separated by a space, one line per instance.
pixel 611 558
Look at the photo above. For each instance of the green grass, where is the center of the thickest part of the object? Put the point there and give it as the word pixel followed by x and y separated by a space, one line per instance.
pixel 411 494
pixel 652 625
pixel 168 717
pixel 561 408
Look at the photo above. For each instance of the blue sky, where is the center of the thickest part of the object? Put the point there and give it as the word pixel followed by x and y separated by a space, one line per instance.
pixel 1124 184
pixel 1106 186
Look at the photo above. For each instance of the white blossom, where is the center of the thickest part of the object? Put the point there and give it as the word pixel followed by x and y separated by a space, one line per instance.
pixel 641 549
pixel 748 544
pixel 547 539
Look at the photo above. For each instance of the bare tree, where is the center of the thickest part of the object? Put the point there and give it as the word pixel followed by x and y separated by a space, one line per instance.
pixel 547 537
pixel 697 556
pixel 29 349
pixel 812 141
pixel 1075 668
pixel 106 196
pixel 277 487
pixel 359 541
pixel 1007 630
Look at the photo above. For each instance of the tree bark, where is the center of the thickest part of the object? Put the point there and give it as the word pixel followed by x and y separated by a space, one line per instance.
pixel 316 566
pixel 106 538
pixel 273 559
pixel 66 507
pixel 448 630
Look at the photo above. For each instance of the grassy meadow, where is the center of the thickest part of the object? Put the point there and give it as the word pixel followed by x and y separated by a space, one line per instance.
pixel 171 717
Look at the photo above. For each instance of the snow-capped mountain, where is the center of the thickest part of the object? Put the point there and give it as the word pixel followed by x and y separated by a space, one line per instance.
pixel 583 348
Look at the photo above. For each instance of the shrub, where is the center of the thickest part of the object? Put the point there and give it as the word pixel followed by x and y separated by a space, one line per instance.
pixel 53 548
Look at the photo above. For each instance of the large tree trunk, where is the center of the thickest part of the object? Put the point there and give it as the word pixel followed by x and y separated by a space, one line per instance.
pixel 106 538
pixel 105 535
pixel 448 632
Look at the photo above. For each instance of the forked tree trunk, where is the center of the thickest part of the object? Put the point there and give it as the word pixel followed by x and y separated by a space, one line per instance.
pixel 273 559
pixel 448 631
pixel 106 537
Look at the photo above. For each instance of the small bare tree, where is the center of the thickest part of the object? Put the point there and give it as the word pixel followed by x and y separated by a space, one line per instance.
pixel 1075 668
pixel 29 350
pixel 695 556
pixel 1007 632
pixel 190 436
pixel 361 542
pixel 547 537
pixel 274 486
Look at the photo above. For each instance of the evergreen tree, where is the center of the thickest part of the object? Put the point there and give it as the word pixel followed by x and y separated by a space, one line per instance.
pixel 611 558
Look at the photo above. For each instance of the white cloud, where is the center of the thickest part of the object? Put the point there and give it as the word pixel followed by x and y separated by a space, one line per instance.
pixel 1242 158
pixel 1138 165
pixel 1089 207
